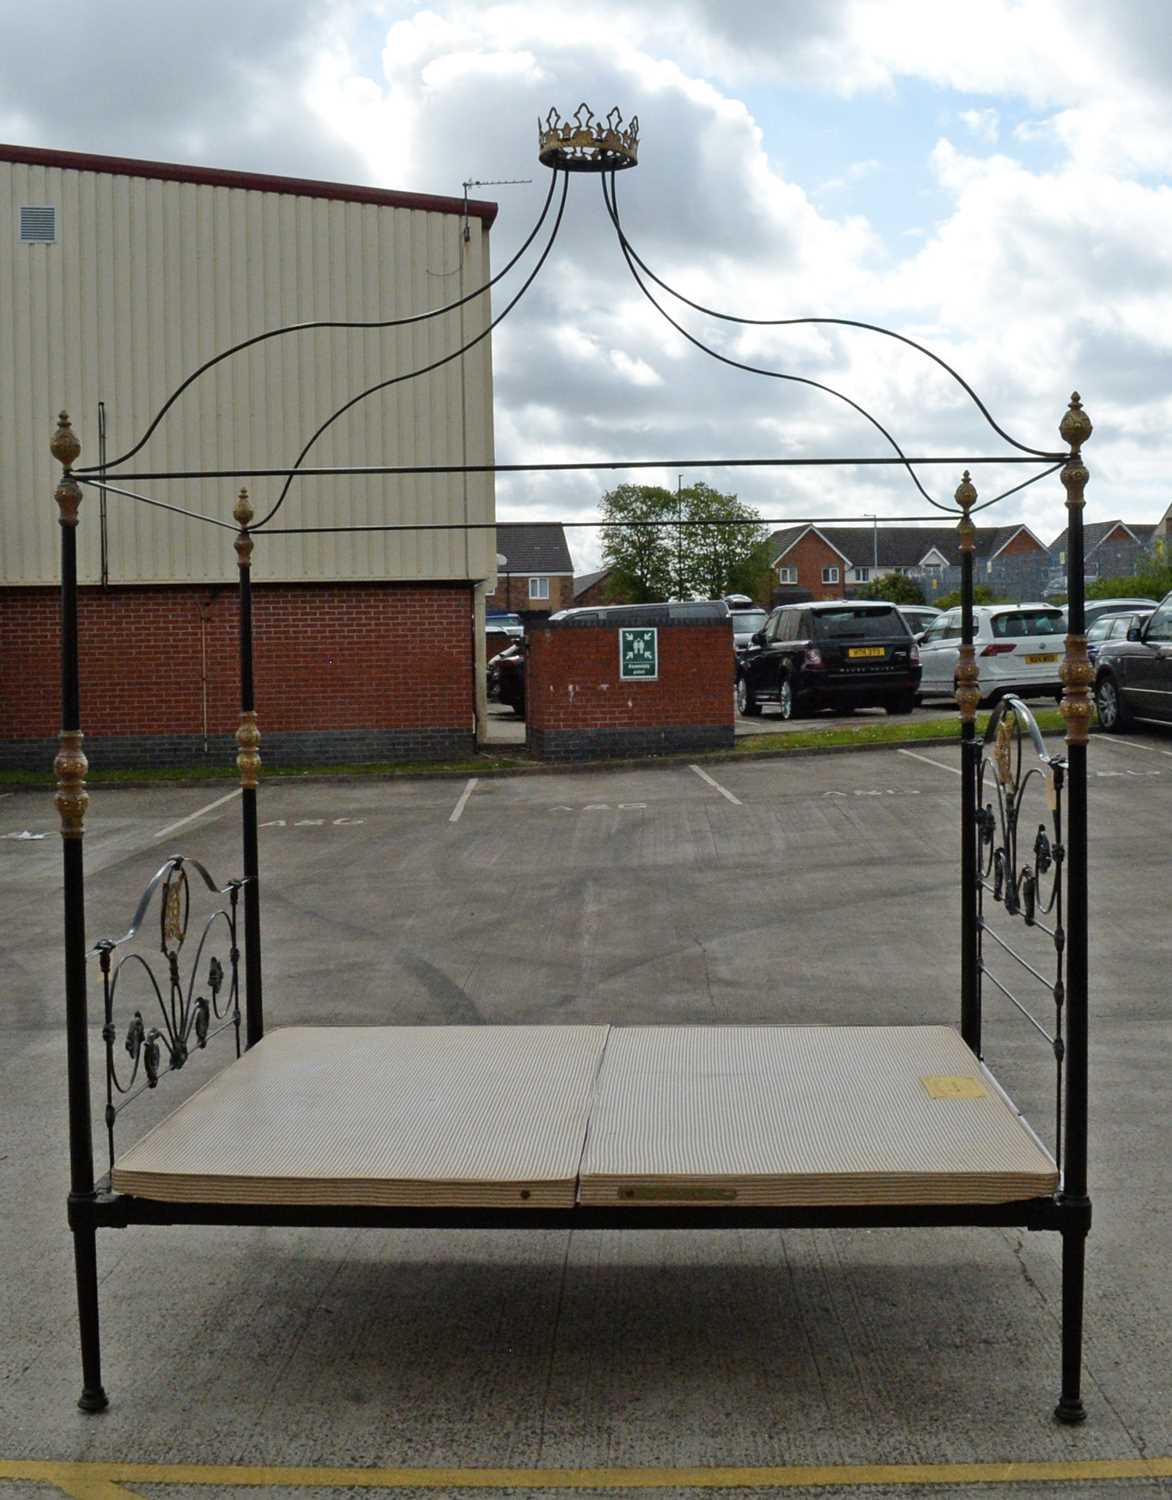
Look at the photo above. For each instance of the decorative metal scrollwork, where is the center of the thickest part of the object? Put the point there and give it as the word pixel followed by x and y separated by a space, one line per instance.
pixel 1022 875
pixel 184 1018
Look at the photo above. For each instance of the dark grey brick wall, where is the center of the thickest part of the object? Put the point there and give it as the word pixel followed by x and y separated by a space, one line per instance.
pixel 604 744
pixel 306 748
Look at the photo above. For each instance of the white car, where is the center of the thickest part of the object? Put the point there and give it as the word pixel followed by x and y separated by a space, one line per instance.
pixel 1019 649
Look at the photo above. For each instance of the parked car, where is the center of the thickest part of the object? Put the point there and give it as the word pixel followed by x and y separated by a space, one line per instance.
pixel 918 616
pixel 1096 607
pixel 1018 647
pixel 506 678
pixel 833 654
pixel 746 618
pixel 1113 628
pixel 1134 677
pixel 509 624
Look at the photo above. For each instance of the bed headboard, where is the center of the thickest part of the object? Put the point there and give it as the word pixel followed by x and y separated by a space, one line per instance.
pixel 187 1000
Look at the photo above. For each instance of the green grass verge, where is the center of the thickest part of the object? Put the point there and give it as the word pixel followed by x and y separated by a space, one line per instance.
pixel 882 732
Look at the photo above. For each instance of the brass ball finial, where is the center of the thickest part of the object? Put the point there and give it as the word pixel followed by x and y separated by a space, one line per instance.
pixel 243 512
pixel 966 491
pixel 65 446
pixel 1075 427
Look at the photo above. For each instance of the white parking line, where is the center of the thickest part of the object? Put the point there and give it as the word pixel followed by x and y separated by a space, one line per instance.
pixel 928 761
pixel 454 817
pixel 191 817
pixel 1133 744
pixel 723 790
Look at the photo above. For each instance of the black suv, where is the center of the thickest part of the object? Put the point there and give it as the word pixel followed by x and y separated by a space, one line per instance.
pixel 1134 676
pixel 837 654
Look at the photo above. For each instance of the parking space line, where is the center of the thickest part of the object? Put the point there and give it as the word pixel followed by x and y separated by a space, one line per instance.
pixel 723 790
pixel 191 817
pixel 454 816
pixel 928 761
pixel 1132 744
pixel 94 1480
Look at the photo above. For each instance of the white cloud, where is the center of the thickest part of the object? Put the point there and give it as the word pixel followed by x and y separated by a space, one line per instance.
pixel 985 124
pixel 1028 279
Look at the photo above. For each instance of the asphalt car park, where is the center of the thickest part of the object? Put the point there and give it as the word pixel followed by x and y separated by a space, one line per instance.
pixel 814 889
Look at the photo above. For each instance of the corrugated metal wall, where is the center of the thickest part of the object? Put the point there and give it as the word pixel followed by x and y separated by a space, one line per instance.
pixel 149 278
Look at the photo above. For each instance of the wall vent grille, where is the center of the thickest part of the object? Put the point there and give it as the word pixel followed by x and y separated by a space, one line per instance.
pixel 38 224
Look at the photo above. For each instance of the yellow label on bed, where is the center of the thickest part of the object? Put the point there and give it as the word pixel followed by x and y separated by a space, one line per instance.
pixel 942 1086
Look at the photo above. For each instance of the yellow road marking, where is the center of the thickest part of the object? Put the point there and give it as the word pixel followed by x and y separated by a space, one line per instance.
pixel 102 1481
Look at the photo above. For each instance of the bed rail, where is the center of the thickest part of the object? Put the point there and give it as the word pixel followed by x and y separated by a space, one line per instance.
pixel 185 1014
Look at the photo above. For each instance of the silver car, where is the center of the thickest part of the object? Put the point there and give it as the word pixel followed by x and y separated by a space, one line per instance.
pixel 1018 649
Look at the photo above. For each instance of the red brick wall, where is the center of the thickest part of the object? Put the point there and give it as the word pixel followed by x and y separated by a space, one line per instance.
pixel 512 593
pixel 1022 545
pixel 810 555
pixel 327 657
pixel 572 679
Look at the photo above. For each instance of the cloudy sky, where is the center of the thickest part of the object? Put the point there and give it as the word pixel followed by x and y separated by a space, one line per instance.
pixel 991 180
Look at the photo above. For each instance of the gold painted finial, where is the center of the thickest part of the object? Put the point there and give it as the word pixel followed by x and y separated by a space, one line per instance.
pixel 65 446
pixel 1075 427
pixel 966 497
pixel 242 514
pixel 966 491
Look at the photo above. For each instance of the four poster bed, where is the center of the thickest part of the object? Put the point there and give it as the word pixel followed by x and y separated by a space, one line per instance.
pixel 591 1126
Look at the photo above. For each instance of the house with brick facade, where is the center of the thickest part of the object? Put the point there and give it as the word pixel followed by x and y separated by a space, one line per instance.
pixel 1112 549
pixel 117 279
pixel 597 588
pixel 834 562
pixel 536 578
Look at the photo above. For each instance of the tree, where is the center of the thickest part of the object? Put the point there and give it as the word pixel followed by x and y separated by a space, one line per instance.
pixel 680 561
pixel 897 587
pixel 639 555
pixel 982 594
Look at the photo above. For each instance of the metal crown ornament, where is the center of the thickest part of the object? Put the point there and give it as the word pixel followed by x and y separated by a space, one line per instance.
pixel 584 144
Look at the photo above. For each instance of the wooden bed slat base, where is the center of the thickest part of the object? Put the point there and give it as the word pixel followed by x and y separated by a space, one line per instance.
pixel 546 1117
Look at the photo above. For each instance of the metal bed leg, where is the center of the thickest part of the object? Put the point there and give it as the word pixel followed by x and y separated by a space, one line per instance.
pixel 1074 1243
pixel 85 1250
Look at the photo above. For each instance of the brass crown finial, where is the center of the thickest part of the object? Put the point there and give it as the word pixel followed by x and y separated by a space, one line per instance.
pixel 1075 427
pixel 584 144
pixel 65 446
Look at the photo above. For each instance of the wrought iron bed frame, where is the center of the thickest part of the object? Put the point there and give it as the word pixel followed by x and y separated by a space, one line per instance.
pixel 1045 892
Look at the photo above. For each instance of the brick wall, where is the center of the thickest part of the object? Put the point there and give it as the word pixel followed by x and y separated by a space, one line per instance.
pixel 578 708
pixel 512 593
pixel 343 672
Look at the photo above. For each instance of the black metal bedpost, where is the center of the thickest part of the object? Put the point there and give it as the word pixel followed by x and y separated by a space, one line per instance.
pixel 248 760
pixel 72 800
pixel 1077 676
pixel 968 696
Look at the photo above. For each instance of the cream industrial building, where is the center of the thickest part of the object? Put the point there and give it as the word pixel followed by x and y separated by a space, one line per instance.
pixel 117 279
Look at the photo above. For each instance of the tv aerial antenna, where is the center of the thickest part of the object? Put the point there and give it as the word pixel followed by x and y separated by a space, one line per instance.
pixel 472 182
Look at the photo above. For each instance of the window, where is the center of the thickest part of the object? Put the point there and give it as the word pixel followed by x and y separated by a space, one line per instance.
pixel 1160 624
pixel 787 575
pixel 830 575
pixel 1028 622
pixel 539 588
pixel 861 575
pixel 858 623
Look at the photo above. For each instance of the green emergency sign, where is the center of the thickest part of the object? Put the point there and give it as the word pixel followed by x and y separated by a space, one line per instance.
pixel 638 653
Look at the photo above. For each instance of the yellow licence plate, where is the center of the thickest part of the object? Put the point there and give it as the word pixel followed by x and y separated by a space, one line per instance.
pixel 866 651
pixel 1045 656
